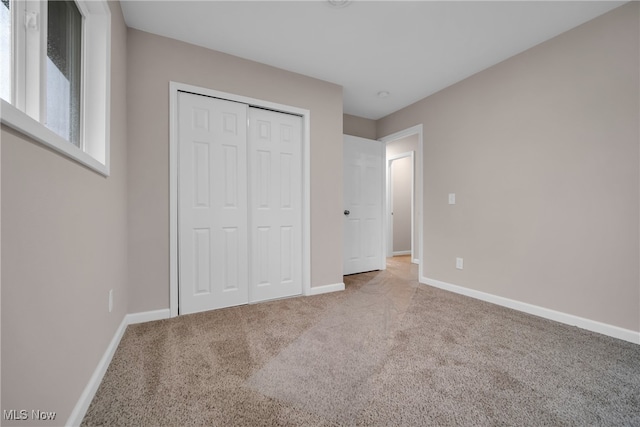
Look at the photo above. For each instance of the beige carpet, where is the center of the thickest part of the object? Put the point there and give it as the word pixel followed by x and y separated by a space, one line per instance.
pixel 384 352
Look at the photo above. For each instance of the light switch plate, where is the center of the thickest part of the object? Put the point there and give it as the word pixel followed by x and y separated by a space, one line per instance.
pixel 459 263
pixel 452 198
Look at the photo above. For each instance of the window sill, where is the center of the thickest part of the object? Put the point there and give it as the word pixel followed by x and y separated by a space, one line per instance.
pixel 21 122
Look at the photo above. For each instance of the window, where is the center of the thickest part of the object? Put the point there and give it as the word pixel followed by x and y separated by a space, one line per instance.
pixel 64 36
pixel 5 50
pixel 55 75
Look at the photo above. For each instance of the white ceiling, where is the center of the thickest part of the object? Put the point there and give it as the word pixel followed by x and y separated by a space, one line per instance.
pixel 410 49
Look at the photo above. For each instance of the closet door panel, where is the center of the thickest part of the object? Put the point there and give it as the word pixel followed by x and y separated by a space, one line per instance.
pixel 275 206
pixel 212 199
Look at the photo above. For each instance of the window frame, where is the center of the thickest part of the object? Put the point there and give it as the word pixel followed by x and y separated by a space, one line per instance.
pixel 12 47
pixel 29 84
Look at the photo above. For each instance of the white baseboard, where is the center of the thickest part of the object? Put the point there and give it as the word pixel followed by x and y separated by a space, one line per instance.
pixel 324 289
pixel 569 319
pixel 415 261
pixel 90 390
pixel 148 316
pixel 397 253
pixel 94 382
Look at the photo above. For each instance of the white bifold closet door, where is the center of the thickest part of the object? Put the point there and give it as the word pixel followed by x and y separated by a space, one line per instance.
pixel 239 204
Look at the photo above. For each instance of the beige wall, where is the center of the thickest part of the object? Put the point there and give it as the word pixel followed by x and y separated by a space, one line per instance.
pixel 401 176
pixel 359 126
pixel 64 240
pixel 405 145
pixel 542 151
pixel 153 61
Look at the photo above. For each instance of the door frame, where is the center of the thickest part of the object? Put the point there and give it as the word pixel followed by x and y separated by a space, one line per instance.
pixel 418 219
pixel 174 264
pixel 389 207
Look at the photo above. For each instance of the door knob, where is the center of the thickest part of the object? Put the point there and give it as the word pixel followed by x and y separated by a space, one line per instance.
pixel 346 212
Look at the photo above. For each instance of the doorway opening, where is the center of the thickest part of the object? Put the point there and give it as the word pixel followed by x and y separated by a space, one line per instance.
pixel 400 207
pixel 400 145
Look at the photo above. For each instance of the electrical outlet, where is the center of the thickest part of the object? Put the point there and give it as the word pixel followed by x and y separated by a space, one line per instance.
pixel 459 263
pixel 110 300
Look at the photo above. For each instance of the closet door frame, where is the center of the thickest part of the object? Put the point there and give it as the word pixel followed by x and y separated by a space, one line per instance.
pixel 174 88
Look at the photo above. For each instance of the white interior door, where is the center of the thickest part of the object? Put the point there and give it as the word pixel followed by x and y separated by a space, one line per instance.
pixel 275 153
pixel 363 162
pixel 212 199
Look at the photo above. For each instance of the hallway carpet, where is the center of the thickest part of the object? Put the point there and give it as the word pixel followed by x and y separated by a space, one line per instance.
pixel 384 352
